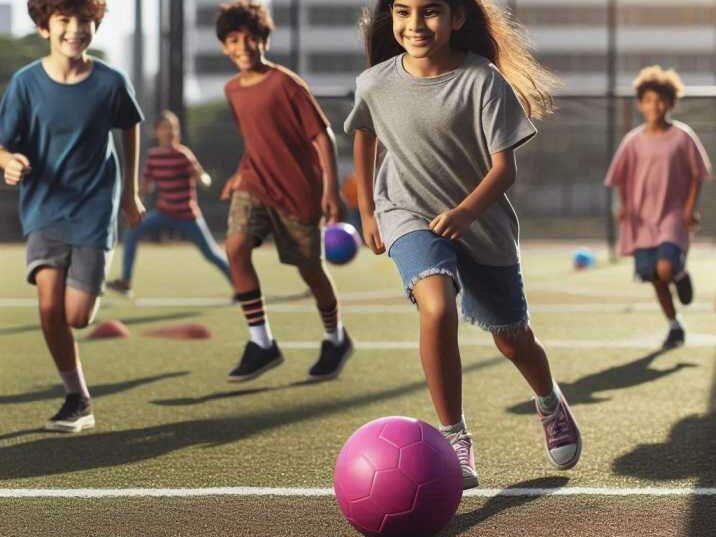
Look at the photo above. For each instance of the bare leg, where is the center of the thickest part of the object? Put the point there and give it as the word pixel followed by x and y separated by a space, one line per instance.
pixel 664 275
pixel 439 352
pixel 524 350
pixel 55 328
pixel 320 283
pixel 239 247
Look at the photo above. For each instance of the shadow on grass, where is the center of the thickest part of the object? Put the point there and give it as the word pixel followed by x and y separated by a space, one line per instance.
pixel 94 450
pixel 229 394
pixel 97 390
pixel 466 521
pixel 619 377
pixel 688 453
pixel 13 330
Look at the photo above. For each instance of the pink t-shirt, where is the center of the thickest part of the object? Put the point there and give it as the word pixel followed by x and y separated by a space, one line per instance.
pixel 656 172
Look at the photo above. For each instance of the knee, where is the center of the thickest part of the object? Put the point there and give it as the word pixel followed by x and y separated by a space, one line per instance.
pixel 438 312
pixel 78 319
pixel 238 248
pixel 51 314
pixel 516 344
pixel 664 271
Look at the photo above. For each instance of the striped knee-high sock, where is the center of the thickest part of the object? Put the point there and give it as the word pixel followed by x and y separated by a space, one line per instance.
pixel 332 323
pixel 252 304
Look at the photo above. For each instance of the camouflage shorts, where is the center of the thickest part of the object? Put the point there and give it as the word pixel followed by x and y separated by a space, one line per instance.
pixel 297 243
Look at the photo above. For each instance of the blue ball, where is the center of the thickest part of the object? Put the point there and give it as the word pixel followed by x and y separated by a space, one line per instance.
pixel 583 258
pixel 340 242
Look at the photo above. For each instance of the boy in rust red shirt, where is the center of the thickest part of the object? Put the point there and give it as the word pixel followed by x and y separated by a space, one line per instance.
pixel 286 181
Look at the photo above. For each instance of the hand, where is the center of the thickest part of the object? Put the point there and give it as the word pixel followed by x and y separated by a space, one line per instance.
pixel 133 210
pixel 232 184
pixel 452 224
pixel 692 219
pixel 371 234
pixel 331 207
pixel 18 167
pixel 623 214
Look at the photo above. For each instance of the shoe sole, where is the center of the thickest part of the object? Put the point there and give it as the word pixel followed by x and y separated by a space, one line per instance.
pixel 338 370
pixel 85 422
pixel 257 373
pixel 470 482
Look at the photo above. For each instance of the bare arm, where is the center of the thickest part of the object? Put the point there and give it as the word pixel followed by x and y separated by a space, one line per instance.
pixel 325 144
pixel 131 204
pixel 453 223
pixel 365 148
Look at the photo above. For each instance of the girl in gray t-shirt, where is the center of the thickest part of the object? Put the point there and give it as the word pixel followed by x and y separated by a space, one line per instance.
pixel 440 97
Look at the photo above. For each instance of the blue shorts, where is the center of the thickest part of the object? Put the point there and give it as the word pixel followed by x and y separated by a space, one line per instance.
pixel 645 260
pixel 491 297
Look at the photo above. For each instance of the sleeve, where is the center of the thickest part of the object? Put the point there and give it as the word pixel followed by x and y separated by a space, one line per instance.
pixel 359 117
pixel 126 112
pixel 13 123
pixel 621 167
pixel 309 112
pixel 192 163
pixel 503 120
pixel 699 162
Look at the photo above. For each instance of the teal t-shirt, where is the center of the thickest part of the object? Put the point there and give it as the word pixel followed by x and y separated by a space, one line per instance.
pixel 73 191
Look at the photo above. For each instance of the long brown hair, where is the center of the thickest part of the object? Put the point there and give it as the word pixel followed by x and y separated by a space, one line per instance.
pixel 489 31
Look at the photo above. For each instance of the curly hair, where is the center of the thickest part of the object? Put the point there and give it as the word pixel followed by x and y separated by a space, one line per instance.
pixel 489 31
pixel 40 11
pixel 665 82
pixel 247 14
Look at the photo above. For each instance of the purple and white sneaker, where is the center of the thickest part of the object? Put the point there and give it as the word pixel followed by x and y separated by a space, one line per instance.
pixel 563 442
pixel 461 442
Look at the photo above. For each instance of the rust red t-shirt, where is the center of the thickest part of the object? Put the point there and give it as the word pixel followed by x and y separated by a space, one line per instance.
pixel 278 119
pixel 174 171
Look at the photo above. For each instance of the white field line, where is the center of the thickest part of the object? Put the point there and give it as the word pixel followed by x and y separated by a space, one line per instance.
pixel 312 492
pixel 174 302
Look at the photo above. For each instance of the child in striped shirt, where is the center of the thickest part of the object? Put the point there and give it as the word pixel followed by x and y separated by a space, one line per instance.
pixel 173 170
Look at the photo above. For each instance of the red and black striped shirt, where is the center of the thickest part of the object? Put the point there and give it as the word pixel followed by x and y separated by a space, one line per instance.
pixel 174 171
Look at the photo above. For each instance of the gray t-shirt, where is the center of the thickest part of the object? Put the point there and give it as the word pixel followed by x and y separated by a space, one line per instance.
pixel 438 134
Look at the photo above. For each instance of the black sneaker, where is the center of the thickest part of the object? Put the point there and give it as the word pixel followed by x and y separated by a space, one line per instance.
pixel 684 288
pixel 332 359
pixel 120 286
pixel 255 361
pixel 675 338
pixel 75 415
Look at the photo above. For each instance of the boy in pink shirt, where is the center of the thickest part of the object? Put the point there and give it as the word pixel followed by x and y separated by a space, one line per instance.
pixel 658 170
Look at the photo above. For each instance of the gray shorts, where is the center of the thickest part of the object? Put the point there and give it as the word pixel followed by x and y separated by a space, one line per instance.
pixel 86 266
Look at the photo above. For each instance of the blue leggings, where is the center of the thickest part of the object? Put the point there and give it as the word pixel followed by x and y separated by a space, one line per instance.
pixel 195 230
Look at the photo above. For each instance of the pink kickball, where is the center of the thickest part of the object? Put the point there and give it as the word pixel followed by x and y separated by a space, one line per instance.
pixel 397 477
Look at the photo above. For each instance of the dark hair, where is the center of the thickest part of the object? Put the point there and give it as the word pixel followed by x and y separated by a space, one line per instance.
pixel 40 11
pixel 252 16
pixel 488 31
pixel 665 82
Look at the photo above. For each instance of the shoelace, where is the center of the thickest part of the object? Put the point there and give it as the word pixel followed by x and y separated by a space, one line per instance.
pixel 557 424
pixel 461 444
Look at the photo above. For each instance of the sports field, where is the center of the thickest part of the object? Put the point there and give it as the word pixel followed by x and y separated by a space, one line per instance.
pixel 178 451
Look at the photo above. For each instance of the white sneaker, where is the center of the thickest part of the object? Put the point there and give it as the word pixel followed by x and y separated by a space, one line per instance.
pixel 461 442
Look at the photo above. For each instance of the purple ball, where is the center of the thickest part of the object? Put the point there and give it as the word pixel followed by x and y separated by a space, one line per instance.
pixel 398 476
pixel 341 243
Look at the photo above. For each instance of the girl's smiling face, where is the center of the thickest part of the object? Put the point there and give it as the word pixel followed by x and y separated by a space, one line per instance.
pixel 654 107
pixel 423 27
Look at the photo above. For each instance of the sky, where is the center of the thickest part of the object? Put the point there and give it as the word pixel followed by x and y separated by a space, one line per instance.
pixel 114 33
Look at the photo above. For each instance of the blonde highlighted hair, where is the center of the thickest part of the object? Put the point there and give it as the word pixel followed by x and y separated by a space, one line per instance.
pixel 665 82
pixel 489 31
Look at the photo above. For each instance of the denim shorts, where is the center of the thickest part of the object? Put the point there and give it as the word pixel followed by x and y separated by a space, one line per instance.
pixel 491 297
pixel 645 260
pixel 86 266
